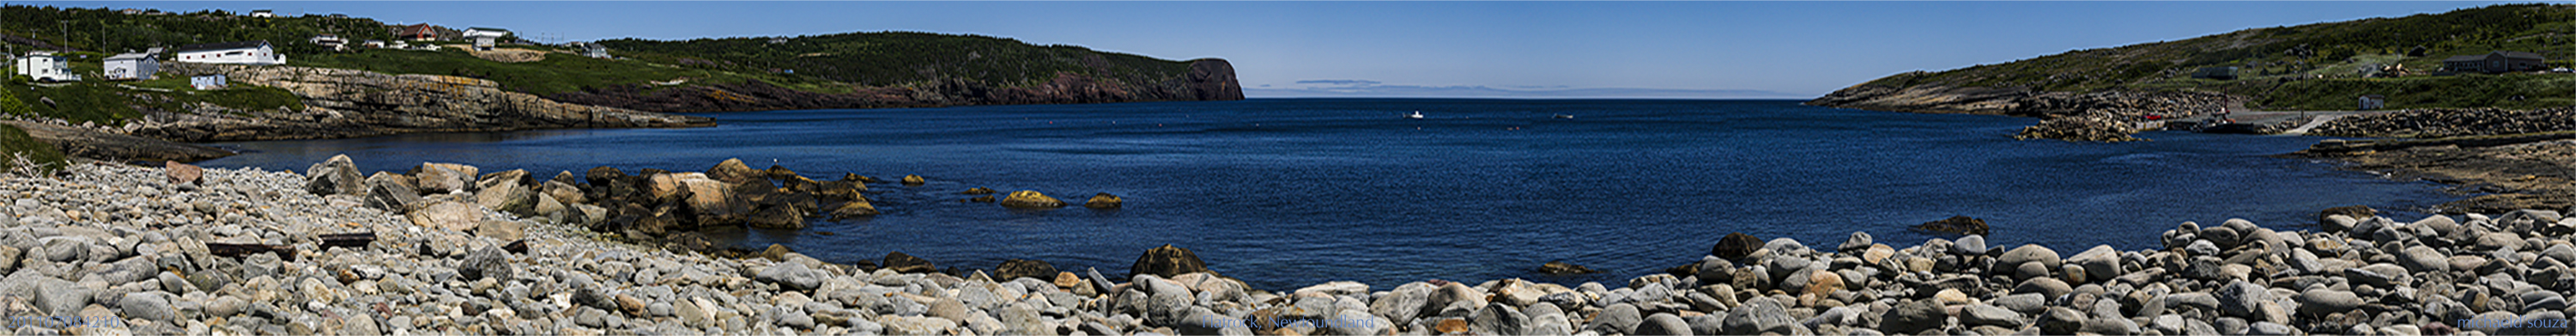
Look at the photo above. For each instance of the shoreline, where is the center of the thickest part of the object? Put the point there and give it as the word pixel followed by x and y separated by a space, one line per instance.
pixel 127 242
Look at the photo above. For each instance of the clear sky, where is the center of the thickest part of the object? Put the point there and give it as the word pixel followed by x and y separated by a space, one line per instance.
pixel 1596 49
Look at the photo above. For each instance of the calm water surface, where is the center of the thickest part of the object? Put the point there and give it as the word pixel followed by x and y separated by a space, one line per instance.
pixel 1287 193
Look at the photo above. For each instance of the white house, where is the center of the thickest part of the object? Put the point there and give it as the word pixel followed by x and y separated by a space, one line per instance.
pixel 207 82
pixel 246 52
pixel 329 41
pixel 484 37
pixel 263 13
pixel 44 66
pixel 134 66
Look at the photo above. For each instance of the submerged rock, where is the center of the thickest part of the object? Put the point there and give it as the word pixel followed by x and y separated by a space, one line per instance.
pixel 1031 199
pixel 1963 225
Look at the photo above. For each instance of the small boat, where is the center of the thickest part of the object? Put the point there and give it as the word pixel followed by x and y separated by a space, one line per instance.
pixel 1565 116
pixel 1417 115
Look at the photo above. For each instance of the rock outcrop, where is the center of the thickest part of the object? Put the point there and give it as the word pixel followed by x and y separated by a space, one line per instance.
pixel 342 103
pixel 93 144
pixel 2106 116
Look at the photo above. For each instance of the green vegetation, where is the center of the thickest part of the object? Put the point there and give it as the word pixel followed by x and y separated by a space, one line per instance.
pixel 73 102
pixel 16 143
pixel 899 58
pixel 2471 90
pixel 106 30
pixel 2315 66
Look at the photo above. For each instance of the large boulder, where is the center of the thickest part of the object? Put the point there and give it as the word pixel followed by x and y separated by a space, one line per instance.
pixel 1031 199
pixel 666 187
pixel 711 202
pixel 602 176
pixel 336 176
pixel 777 217
pixel 441 178
pixel 853 209
pixel 906 263
pixel 565 192
pixel 1167 261
pixel 733 171
pixel 181 173
pixel 1024 268
pixel 1956 225
pixel 2356 212
pixel 1103 201
pixel 505 192
pixel 393 193
pixel 839 190
pixel 450 215
pixel 1735 246
pixel 912 180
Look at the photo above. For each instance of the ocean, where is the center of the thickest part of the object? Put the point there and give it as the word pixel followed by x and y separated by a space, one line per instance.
pixel 1285 193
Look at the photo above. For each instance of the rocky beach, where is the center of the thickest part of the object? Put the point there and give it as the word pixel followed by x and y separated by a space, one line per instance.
pixel 186 250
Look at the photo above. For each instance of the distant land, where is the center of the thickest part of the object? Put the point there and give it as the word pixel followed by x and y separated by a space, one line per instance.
pixel 1366 88
pixel 2103 94
pixel 2323 66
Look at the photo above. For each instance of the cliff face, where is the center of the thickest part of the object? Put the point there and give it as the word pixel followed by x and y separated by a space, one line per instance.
pixel 344 103
pixel 1208 79
pixel 2107 116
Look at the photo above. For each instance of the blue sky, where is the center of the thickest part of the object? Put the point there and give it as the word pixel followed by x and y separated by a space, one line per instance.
pixel 1456 49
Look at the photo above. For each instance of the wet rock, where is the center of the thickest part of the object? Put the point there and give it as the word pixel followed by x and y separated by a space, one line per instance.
pixel 1562 268
pixel 913 180
pixel 1024 268
pixel 1167 261
pixel 1735 246
pixel 906 263
pixel 1962 225
pixel 735 172
pixel 1103 201
pixel 1031 199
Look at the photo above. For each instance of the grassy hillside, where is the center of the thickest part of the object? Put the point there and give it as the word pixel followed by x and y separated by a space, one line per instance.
pixel 897 58
pixel 16 143
pixel 557 73
pixel 2315 66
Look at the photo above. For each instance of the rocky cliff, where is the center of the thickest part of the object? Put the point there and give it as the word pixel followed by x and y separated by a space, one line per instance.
pixel 2108 116
pixel 344 103
pixel 1208 79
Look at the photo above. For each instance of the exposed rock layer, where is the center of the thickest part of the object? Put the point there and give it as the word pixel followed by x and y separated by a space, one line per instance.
pixel 345 103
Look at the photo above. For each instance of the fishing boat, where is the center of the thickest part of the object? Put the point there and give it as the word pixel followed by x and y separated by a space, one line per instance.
pixel 1417 115
pixel 1565 116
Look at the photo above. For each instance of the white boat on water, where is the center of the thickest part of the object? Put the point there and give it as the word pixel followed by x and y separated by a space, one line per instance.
pixel 1565 116
pixel 1417 115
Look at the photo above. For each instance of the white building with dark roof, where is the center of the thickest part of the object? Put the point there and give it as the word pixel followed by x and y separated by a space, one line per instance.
pixel 485 38
pixel 245 52
pixel 133 66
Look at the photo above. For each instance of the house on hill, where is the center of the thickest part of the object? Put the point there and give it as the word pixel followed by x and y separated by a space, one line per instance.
pixel 329 41
pixel 133 66
pixel 2494 62
pixel 245 52
pixel 485 38
pixel 44 66
pixel 423 32
pixel 263 13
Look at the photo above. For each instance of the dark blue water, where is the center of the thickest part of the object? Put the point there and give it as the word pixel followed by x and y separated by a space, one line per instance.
pixel 1287 193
